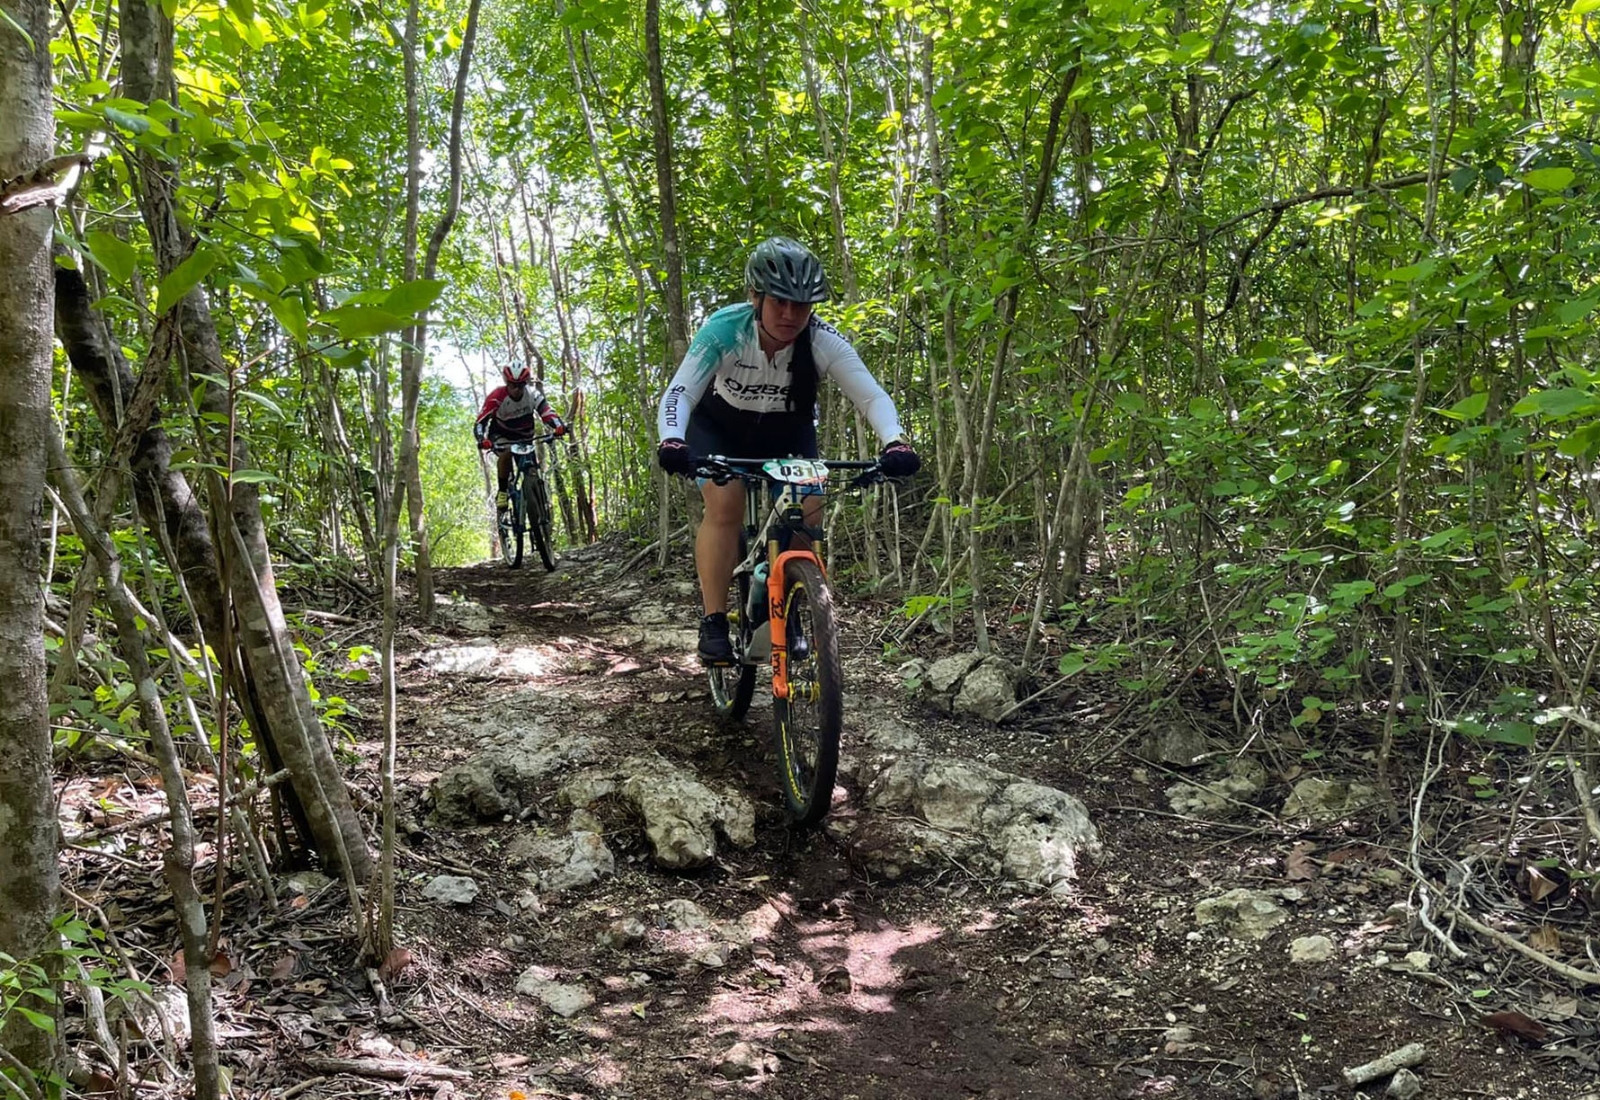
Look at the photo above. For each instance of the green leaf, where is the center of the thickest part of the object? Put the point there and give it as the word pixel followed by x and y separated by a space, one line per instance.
pixel 185 277
pixel 359 322
pixel 1072 664
pixel 1584 442
pixel 1468 408
pixel 39 1020
pixel 291 315
pixel 265 402
pixel 136 124
pixel 1562 401
pixel 251 477
pixel 112 253
pixel 1413 272
pixel 1584 7
pixel 1549 179
pixel 412 298
pixel 1203 408
pixel 1570 313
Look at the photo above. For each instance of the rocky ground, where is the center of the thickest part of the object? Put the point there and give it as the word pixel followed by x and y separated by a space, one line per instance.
pixel 600 896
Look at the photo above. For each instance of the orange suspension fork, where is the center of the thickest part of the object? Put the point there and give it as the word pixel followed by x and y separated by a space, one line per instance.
pixel 775 616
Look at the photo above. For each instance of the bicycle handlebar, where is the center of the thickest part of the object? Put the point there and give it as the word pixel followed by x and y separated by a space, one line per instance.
pixel 723 469
pixel 508 444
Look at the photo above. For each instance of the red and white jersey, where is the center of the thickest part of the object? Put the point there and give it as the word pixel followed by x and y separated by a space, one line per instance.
pixel 517 415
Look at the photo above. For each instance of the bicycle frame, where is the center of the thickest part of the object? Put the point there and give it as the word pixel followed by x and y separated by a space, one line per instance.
pixel 771 539
pixel 524 453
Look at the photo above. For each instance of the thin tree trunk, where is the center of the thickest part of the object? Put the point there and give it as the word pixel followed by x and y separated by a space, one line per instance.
pixel 263 634
pixel 29 877
pixel 178 860
pixel 677 321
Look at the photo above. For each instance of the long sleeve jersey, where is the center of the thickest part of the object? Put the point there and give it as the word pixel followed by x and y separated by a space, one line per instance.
pixel 725 358
pixel 517 415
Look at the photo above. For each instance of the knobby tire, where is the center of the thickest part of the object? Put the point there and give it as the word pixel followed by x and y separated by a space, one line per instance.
pixel 732 687
pixel 513 550
pixel 540 522
pixel 809 722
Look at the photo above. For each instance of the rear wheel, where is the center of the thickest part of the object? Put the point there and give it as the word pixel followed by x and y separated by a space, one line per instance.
pixel 541 524
pixel 733 686
pixel 809 721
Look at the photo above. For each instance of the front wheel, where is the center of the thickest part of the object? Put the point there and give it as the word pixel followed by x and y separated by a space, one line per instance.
pixel 733 686
pixel 809 721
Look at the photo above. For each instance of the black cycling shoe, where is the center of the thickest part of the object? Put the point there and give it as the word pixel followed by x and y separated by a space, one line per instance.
pixel 715 648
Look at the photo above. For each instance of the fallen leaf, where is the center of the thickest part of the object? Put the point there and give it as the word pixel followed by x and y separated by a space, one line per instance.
pixel 394 962
pixel 1541 883
pixel 179 968
pixel 283 969
pixel 1354 853
pixel 1546 939
pixel 221 966
pixel 1552 1007
pixel 1512 1023
pixel 1299 866
pixel 299 902
pixel 836 980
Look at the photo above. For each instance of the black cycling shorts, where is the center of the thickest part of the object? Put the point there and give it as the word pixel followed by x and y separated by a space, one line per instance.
pixel 779 435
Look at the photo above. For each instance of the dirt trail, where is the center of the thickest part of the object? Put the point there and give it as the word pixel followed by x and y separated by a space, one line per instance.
pixel 839 984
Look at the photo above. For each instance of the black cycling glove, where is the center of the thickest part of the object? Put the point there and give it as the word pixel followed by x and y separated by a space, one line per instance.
pixel 899 460
pixel 675 457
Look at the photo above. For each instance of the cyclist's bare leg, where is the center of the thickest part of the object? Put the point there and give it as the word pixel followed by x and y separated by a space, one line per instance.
pixel 716 543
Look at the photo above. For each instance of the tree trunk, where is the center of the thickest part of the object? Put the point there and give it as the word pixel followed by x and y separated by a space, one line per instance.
pixel 263 634
pixel 677 321
pixel 29 878
pixel 178 860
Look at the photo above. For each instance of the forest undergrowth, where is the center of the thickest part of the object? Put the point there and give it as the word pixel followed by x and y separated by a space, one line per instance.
pixel 839 981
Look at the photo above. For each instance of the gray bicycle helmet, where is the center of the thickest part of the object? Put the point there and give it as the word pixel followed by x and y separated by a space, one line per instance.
pixel 786 269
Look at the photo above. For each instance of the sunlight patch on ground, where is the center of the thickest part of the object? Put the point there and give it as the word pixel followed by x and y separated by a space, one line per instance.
pixel 520 663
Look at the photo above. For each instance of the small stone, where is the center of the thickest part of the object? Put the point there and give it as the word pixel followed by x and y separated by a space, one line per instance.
pixel 1311 949
pixel 1419 960
pixel 713 956
pixel 745 1060
pixel 684 915
pixel 451 889
pixel 1404 1085
pixel 623 933
pixel 514 942
pixel 563 999
pixel 308 882
pixel 1243 914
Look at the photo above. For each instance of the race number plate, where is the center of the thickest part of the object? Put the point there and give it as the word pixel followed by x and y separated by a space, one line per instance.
pixel 796 471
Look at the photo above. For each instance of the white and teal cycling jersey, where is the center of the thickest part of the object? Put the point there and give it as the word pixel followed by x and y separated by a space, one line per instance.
pixel 726 372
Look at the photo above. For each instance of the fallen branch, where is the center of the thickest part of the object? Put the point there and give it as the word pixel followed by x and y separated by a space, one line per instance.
pixel 389 1069
pixel 1571 973
pixel 1412 1054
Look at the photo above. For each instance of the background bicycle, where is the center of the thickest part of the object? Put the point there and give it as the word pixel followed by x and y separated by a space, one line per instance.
pixel 527 512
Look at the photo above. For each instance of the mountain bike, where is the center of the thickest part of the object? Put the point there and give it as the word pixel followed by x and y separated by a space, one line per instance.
pixel 528 503
pixel 780 609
